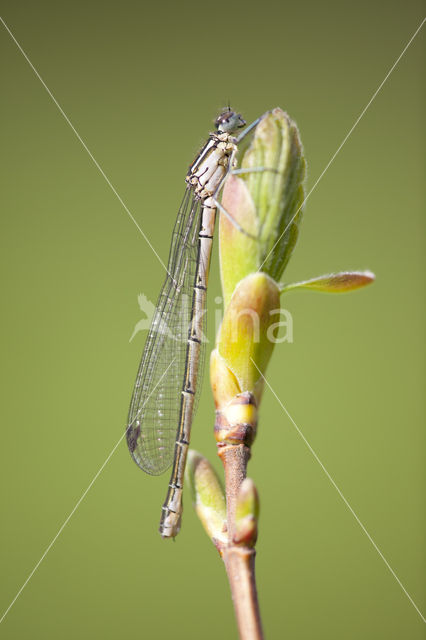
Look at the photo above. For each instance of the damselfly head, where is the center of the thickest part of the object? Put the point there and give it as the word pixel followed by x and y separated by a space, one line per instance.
pixel 229 121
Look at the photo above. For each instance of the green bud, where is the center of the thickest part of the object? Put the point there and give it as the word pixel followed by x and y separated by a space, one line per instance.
pixel 243 335
pixel 208 497
pixel 267 204
pixel 246 514
pixel 223 382
pixel 239 252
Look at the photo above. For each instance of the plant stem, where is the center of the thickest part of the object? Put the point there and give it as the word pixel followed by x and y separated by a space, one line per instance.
pixel 239 563
pixel 238 559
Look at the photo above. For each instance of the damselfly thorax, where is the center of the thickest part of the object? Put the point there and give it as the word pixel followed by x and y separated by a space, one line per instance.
pixel 211 165
pixel 168 380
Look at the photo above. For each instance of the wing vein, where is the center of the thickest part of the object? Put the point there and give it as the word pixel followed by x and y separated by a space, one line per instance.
pixel 152 427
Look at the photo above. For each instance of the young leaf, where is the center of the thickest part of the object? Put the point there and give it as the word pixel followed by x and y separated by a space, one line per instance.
pixel 340 282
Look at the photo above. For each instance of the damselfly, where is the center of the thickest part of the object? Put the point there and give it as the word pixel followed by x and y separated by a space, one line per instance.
pixel 165 393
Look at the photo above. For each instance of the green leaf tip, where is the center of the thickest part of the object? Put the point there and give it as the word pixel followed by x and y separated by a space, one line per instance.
pixel 207 495
pixel 341 282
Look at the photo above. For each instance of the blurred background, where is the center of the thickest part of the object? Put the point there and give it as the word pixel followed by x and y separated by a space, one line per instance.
pixel 141 83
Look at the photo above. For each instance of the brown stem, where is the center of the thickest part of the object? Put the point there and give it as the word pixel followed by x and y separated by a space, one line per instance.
pixel 239 563
pixel 239 559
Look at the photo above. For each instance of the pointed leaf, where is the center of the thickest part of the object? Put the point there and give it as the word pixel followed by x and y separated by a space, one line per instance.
pixel 340 282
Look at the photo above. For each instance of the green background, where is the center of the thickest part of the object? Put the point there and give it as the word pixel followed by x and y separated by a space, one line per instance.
pixel 141 82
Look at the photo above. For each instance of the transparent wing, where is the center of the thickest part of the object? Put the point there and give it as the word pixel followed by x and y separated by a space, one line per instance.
pixel 155 406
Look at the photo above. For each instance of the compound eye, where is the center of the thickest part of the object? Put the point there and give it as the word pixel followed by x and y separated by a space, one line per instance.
pixel 221 120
